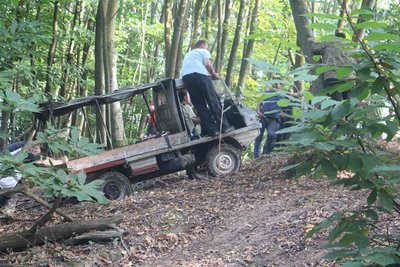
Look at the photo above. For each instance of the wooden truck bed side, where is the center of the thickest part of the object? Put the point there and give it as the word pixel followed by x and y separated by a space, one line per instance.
pixel 120 155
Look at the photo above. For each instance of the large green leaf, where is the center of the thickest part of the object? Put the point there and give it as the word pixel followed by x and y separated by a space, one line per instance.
pixel 371 24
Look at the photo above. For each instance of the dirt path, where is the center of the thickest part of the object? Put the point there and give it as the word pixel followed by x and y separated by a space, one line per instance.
pixel 254 218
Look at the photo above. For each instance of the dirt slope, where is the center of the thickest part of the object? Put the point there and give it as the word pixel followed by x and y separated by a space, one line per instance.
pixel 254 218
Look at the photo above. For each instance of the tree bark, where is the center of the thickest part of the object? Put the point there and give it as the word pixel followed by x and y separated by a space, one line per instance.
pixel 101 134
pixel 117 124
pixel 360 33
pixel 248 50
pixel 52 48
pixel 198 8
pixel 167 32
pixel 235 43
pixel 180 16
pixel 23 239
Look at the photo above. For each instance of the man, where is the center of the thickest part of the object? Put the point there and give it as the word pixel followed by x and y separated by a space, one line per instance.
pixel 334 55
pixel 197 74
pixel 191 119
pixel 270 115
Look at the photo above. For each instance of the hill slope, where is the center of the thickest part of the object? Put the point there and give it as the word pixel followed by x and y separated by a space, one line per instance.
pixel 254 218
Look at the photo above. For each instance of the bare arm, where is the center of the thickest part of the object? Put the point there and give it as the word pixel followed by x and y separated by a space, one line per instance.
pixel 209 66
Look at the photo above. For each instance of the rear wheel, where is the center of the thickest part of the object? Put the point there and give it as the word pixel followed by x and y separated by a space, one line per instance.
pixel 224 160
pixel 116 186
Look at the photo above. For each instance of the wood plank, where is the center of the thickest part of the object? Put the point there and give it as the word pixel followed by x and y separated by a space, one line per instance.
pixel 140 150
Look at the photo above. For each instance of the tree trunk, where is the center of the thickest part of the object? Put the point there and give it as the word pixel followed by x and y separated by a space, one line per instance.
pixel 208 20
pixel 180 16
pixel 55 233
pixel 235 43
pixel 359 34
pixel 218 53
pixel 198 8
pixel 117 124
pixel 304 34
pixel 342 20
pixel 52 49
pixel 167 32
pixel 248 50
pixel 101 136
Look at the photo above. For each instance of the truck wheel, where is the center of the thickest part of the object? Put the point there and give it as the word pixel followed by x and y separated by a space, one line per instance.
pixel 116 186
pixel 222 161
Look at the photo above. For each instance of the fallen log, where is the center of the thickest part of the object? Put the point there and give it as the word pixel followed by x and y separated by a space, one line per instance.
pixel 23 239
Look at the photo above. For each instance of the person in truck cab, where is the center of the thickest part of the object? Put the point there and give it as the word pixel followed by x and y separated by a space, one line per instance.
pixel 197 74
pixel 191 119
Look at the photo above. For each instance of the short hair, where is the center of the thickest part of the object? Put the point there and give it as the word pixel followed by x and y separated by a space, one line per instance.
pixel 340 34
pixel 200 43
pixel 182 95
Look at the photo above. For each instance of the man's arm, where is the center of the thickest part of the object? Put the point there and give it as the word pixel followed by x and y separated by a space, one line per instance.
pixel 209 66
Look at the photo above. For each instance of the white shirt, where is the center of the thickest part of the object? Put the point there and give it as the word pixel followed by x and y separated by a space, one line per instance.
pixel 194 62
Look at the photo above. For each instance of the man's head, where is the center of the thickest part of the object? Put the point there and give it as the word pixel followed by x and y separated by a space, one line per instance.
pixel 201 44
pixel 184 97
pixel 34 149
pixel 277 85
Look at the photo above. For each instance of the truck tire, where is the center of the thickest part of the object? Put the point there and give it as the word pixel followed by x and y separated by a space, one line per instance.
pixel 222 161
pixel 116 186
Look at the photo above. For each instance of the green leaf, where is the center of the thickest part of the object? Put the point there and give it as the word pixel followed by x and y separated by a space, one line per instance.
pixel 340 111
pixel 362 11
pixel 323 16
pixel 372 197
pixel 378 36
pixel 388 46
pixel 385 168
pixel 385 199
pixel 284 102
pixel 371 24
pixel 386 260
pixel 339 253
pixel 329 169
pixel 343 72
pixel 324 26
pixel 354 264
pixel 304 168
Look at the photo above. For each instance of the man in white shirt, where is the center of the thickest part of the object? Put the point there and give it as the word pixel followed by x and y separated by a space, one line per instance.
pixel 197 74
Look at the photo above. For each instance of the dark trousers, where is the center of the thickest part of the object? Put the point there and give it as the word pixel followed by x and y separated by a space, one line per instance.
pixel 271 125
pixel 202 93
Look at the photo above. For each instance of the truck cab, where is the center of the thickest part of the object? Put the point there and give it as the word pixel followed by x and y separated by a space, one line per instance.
pixel 172 149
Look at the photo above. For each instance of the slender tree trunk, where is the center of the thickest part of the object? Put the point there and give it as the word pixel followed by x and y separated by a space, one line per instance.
pixel 52 48
pixel 117 125
pixel 218 54
pixel 244 68
pixel 235 43
pixel 101 136
pixel 342 20
pixel 225 29
pixel 359 34
pixel 208 20
pixel 198 8
pixel 178 26
pixel 167 33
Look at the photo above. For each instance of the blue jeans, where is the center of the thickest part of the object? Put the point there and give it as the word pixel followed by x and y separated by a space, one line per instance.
pixel 271 125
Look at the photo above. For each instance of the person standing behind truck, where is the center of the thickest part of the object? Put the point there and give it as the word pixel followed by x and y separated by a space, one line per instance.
pixel 270 115
pixel 333 54
pixel 197 74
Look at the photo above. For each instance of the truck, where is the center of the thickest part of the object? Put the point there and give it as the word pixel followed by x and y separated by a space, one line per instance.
pixel 172 149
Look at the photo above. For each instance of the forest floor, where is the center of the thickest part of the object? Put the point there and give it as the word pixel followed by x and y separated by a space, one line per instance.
pixel 257 217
